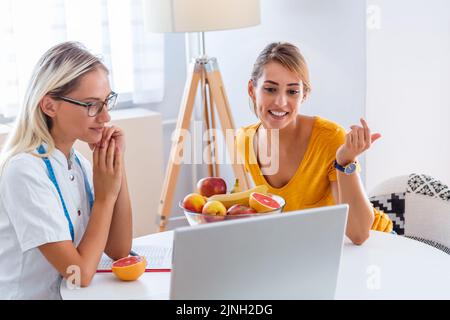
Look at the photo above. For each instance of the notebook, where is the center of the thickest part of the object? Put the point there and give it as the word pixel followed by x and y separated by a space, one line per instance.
pixel 159 259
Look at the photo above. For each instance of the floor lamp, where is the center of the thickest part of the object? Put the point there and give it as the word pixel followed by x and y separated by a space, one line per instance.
pixel 200 16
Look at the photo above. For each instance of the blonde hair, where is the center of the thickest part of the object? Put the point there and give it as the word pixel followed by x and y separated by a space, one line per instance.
pixel 57 73
pixel 289 56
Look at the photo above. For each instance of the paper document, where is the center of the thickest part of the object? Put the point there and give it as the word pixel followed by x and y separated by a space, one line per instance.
pixel 157 258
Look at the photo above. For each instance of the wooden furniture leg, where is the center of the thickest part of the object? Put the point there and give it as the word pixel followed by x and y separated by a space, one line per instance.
pixel 173 166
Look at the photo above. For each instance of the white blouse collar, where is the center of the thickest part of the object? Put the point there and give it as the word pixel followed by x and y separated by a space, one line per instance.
pixel 59 157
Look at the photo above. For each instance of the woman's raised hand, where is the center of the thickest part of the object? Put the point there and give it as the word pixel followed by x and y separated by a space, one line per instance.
pixel 357 141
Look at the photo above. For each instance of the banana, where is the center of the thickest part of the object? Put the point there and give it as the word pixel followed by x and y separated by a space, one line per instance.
pixel 242 197
pixel 236 187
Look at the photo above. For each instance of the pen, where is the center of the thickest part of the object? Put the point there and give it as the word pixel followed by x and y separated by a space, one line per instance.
pixel 133 253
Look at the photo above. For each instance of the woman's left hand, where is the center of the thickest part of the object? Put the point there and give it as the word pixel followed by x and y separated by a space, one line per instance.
pixel 115 133
pixel 358 140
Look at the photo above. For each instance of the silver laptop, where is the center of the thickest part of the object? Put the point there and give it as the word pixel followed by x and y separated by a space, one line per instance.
pixel 294 255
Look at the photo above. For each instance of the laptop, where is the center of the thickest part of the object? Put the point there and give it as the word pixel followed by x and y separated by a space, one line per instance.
pixel 294 255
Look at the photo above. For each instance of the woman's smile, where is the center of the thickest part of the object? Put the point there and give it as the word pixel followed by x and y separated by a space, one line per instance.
pixel 278 115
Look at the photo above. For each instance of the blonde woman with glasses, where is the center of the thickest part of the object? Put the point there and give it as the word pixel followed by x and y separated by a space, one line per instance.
pixel 59 213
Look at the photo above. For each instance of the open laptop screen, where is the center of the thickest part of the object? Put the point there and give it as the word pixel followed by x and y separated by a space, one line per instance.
pixel 294 255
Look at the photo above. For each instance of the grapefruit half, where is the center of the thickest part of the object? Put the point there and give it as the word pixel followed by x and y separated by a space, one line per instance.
pixel 129 268
pixel 262 203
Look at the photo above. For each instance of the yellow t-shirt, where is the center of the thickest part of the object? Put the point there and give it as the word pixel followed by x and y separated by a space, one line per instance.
pixel 310 186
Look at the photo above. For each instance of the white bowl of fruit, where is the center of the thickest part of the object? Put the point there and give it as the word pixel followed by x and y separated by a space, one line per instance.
pixel 212 203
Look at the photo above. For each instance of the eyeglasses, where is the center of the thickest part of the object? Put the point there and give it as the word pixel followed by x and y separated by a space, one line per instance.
pixel 94 108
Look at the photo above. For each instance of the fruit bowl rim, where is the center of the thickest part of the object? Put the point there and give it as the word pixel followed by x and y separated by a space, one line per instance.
pixel 275 196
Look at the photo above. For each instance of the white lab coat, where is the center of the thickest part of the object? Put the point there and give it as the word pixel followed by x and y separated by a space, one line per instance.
pixel 31 214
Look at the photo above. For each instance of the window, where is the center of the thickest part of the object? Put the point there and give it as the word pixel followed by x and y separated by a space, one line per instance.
pixel 113 29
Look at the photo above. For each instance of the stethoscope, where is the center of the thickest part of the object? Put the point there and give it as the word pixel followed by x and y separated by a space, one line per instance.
pixel 52 177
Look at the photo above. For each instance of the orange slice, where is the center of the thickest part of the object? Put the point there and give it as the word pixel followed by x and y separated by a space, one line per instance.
pixel 129 268
pixel 262 203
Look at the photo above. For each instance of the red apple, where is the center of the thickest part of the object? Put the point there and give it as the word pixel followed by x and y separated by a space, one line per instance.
pixel 210 186
pixel 240 209
pixel 194 202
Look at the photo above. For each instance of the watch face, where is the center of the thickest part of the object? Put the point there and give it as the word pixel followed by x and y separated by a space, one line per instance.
pixel 350 168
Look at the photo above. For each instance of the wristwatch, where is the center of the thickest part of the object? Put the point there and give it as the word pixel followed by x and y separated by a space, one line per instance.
pixel 349 168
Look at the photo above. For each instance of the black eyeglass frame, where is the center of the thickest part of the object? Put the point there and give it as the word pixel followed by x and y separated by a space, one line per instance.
pixel 89 105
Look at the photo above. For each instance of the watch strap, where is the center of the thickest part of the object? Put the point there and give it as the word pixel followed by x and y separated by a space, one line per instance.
pixel 344 168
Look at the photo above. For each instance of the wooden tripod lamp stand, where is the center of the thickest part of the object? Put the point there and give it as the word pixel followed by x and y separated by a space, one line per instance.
pixel 200 16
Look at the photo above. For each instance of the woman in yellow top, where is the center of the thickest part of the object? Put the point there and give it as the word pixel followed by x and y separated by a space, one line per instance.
pixel 307 149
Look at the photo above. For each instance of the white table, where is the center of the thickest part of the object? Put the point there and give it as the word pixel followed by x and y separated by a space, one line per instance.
pixel 384 267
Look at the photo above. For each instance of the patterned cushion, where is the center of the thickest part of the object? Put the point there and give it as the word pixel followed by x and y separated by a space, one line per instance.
pixel 426 219
pixel 428 186
pixel 394 206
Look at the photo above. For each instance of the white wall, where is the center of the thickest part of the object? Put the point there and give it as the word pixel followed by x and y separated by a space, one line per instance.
pixel 408 89
pixel 331 35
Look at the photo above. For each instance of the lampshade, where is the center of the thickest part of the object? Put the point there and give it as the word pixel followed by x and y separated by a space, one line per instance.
pixel 200 15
